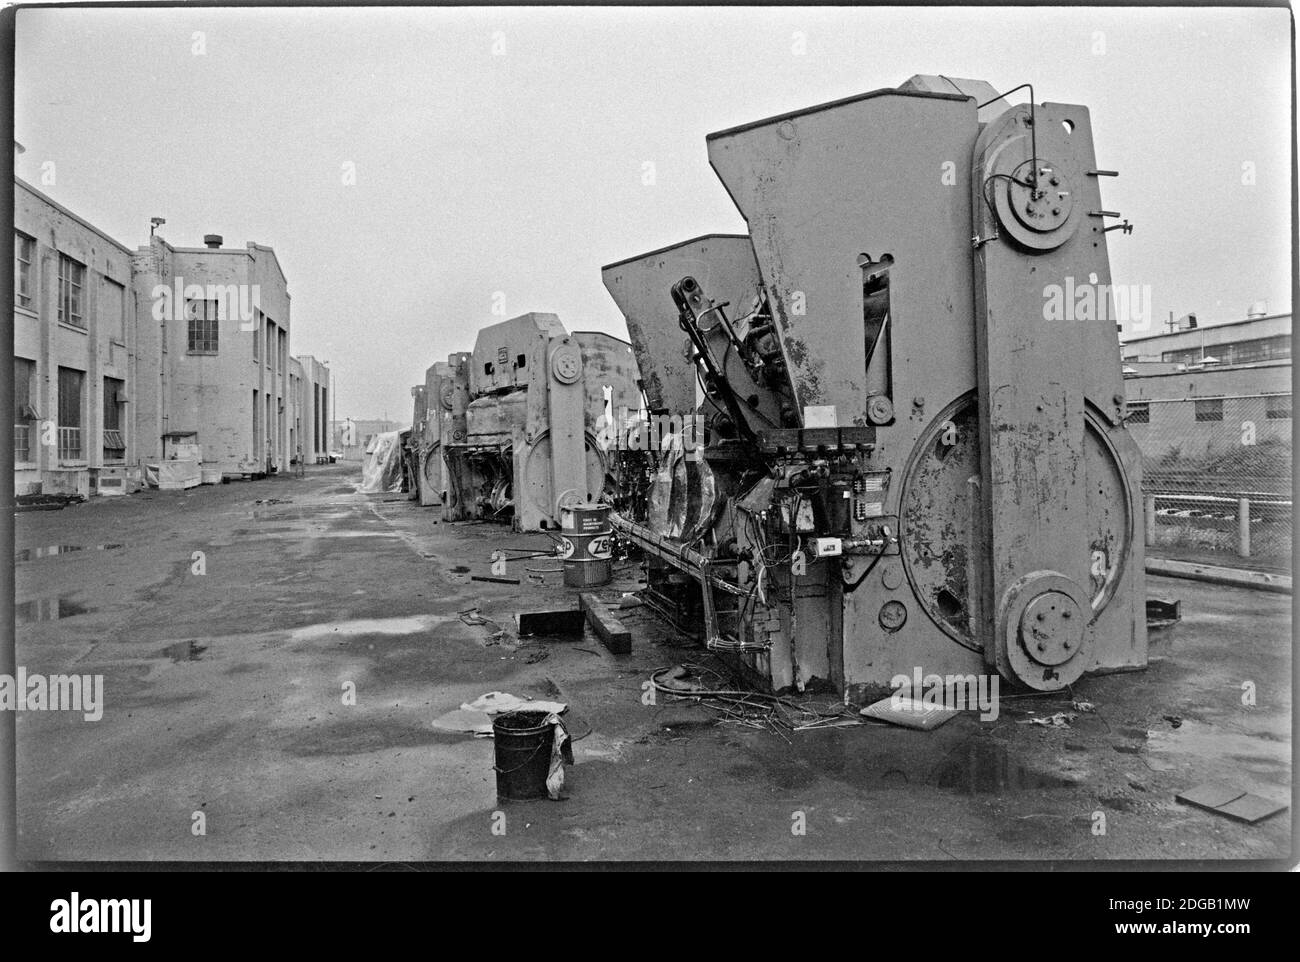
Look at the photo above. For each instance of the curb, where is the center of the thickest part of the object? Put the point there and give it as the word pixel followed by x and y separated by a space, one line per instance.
pixel 1235 577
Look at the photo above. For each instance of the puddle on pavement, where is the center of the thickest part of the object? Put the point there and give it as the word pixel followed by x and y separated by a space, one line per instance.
pixel 979 767
pixel 47 609
pixel 184 651
pixel 371 626
pixel 54 550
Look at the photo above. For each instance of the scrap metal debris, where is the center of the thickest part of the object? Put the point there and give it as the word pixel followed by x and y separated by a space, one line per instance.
pixel 471 617
pixel 1061 719
pixel 749 709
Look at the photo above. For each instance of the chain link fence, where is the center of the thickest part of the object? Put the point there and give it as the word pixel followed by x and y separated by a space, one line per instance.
pixel 1216 478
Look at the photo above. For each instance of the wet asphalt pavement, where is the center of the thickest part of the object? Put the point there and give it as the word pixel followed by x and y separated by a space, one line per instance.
pixel 282 701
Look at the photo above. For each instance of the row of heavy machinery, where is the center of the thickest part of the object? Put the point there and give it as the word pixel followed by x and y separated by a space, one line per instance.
pixel 901 465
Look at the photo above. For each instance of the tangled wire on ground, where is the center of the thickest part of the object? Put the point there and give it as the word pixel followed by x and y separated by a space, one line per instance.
pixel 750 709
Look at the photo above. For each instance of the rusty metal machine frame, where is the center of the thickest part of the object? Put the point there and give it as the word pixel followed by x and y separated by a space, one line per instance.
pixel 907 465
pixel 513 425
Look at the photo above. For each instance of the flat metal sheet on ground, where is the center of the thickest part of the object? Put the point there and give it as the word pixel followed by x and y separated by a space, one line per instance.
pixel 1232 802
pixel 1210 795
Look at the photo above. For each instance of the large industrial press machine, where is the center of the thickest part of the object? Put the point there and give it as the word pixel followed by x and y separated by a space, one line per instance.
pixel 511 430
pixel 907 466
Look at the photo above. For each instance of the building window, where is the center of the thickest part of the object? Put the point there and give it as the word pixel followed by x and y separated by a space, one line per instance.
pixel 284 350
pixel 1235 352
pixel 1209 409
pixel 114 399
pixel 257 335
pixel 270 342
pixel 71 383
pixel 24 413
pixel 1278 407
pixel 114 312
pixel 203 326
pixel 72 278
pixel 1139 412
pixel 24 254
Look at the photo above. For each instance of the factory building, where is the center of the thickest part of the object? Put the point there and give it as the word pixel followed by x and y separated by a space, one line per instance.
pixel 124 359
pixel 1198 392
pixel 310 396
pixel 222 350
pixel 76 363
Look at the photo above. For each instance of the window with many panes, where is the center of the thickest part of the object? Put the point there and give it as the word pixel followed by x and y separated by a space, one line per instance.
pixel 201 317
pixel 71 384
pixel 24 255
pixel 1209 409
pixel 72 279
pixel 114 400
pixel 1275 348
pixel 24 372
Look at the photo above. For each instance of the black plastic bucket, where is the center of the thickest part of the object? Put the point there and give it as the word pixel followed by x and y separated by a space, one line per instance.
pixel 522 742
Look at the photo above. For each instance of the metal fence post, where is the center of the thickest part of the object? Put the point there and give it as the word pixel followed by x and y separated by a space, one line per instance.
pixel 1243 527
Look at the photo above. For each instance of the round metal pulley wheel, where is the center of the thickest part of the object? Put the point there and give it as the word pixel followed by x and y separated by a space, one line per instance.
pixel 566 364
pixel 1041 631
pixel 941 523
pixel 880 410
pixel 1043 205
pixel 1039 211
pixel 535 482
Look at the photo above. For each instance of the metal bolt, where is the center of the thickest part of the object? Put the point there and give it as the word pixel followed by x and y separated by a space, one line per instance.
pixel 1056 212
pixel 1041 616
pixel 1040 647
pixel 1065 614
pixel 1055 181
pixel 1029 208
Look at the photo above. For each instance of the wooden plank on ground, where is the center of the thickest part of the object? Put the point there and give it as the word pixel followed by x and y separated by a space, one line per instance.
pixel 611 631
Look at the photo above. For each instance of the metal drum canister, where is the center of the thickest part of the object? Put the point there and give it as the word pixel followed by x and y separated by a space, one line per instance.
pixel 588 545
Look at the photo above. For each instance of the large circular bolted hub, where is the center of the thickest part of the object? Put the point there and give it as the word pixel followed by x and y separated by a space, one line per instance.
pixel 1051 628
pixel 566 364
pixel 1044 205
pixel 1042 631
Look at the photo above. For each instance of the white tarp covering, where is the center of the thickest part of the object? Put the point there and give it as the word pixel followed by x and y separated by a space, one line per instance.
pixel 381 470
pixel 175 475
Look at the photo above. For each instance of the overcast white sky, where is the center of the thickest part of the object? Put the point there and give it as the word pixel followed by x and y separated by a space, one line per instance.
pixel 521 171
